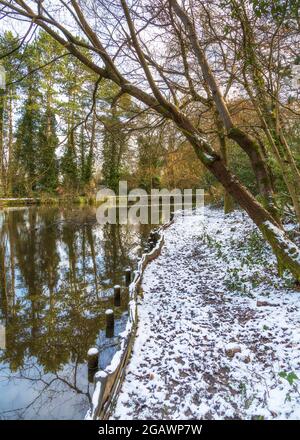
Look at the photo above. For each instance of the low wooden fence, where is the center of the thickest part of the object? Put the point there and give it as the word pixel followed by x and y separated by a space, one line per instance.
pixel 108 382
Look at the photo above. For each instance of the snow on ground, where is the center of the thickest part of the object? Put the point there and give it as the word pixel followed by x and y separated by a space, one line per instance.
pixel 219 332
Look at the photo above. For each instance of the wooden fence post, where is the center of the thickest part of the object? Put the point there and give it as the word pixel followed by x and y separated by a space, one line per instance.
pixel 93 360
pixel 117 296
pixel 110 323
pixel 128 277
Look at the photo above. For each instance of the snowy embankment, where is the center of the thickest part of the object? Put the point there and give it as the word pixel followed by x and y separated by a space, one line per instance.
pixel 219 332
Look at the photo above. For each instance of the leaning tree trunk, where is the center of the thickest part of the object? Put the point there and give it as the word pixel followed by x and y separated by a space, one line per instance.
pixel 243 139
pixel 228 200
pixel 2 168
pixel 287 253
pixel 265 105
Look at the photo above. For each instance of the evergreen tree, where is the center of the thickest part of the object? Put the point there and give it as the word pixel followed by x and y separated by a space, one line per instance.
pixel 69 167
pixel 27 140
pixel 115 141
pixel 71 113
pixel 150 160
pixel 8 98
pixel 47 166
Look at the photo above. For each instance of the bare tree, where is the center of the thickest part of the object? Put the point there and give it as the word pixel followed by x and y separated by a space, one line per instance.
pixel 267 48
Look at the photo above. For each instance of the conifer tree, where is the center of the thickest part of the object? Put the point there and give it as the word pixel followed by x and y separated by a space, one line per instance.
pixel 27 138
pixel 47 166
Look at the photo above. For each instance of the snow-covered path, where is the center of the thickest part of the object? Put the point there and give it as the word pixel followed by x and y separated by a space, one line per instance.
pixel 219 332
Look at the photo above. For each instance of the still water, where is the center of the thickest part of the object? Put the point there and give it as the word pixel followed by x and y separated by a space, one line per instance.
pixel 57 272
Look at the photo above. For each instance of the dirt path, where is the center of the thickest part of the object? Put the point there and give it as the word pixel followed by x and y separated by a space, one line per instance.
pixel 219 333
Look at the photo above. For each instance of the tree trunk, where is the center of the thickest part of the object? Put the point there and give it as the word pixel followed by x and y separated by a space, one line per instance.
pixel 2 152
pixel 288 175
pixel 266 106
pixel 228 200
pixel 287 253
pixel 290 172
pixel 10 166
pixel 242 138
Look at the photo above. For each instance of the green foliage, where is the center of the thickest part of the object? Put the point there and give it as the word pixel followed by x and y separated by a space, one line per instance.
pixel 115 142
pixel 69 163
pixel 239 162
pixel 27 140
pixel 277 9
pixel 36 166
pixel 54 133
pixel 150 161
pixel 252 267
pixel 291 377
pixel 235 282
pixel 47 163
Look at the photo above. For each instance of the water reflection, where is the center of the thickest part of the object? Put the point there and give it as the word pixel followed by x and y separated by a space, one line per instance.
pixel 57 271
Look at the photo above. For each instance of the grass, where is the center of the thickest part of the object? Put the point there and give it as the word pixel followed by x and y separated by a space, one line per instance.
pixel 46 200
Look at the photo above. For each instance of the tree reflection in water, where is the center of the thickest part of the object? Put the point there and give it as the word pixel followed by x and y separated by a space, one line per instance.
pixel 57 272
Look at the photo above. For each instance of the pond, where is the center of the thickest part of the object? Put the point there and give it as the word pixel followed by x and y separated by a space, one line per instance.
pixel 58 267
